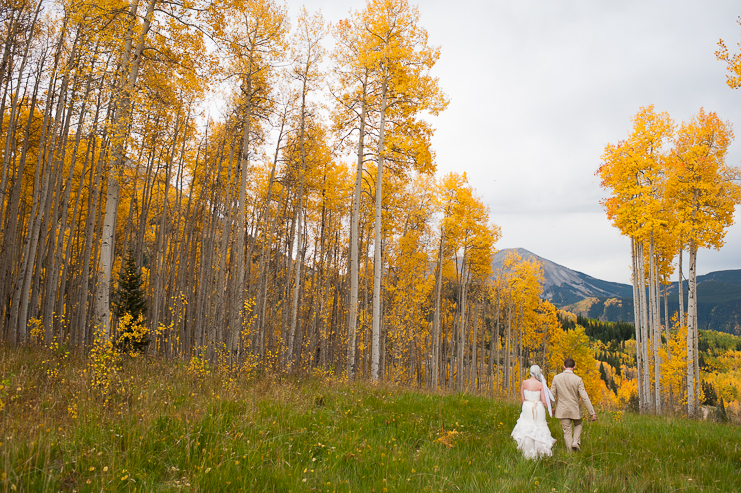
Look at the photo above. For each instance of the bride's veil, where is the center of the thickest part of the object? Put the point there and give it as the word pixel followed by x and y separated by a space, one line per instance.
pixel 535 371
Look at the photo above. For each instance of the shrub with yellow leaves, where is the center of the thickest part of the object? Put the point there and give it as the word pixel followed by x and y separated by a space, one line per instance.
pixel 133 335
pixel 104 361
pixel 198 365
pixel 4 386
pixel 36 330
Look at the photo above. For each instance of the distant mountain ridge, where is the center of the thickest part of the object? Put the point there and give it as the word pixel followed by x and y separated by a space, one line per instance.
pixel 718 294
pixel 564 286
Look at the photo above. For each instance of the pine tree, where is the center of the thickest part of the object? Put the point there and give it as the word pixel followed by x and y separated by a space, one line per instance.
pixel 603 373
pixel 129 299
pixel 711 396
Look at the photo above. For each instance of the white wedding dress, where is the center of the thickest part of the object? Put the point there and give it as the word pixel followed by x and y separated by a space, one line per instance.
pixel 531 432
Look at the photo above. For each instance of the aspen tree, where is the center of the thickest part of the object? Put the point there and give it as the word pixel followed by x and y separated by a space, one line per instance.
pixel 13 224
pixel 114 93
pixel 394 49
pixel 131 59
pixel 408 284
pixel 307 56
pixel 266 245
pixel 353 66
pixel 704 192
pixel 254 35
pixel 470 235
pixel 14 105
pixel 633 171
pixel 22 291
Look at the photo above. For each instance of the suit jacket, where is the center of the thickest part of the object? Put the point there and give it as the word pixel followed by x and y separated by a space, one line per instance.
pixel 566 389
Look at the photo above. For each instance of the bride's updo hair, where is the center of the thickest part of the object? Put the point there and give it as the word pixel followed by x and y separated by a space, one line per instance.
pixel 535 371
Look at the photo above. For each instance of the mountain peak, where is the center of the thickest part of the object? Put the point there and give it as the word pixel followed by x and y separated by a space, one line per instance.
pixel 718 294
pixel 562 285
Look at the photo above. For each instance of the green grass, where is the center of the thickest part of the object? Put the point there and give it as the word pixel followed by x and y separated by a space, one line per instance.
pixel 164 429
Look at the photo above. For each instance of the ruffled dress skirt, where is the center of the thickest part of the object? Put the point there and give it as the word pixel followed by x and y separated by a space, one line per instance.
pixel 531 432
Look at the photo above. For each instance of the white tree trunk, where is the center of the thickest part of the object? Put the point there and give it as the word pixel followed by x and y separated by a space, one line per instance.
pixel 691 330
pixel 120 126
pixel 655 325
pixel 377 266
pixel 352 317
pixel 644 327
pixel 680 287
pixel 105 264
pixel 637 320
pixel 436 319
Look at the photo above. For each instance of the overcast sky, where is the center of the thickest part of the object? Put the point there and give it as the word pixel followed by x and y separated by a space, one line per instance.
pixel 538 88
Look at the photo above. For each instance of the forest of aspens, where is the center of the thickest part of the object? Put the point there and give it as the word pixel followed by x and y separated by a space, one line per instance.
pixel 254 194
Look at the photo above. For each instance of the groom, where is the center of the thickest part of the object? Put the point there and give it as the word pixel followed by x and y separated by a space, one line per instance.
pixel 567 388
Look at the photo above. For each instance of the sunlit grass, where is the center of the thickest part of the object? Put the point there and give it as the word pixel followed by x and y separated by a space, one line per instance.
pixel 166 429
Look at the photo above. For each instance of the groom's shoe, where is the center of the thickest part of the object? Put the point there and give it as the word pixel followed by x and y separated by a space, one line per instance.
pixel 576 447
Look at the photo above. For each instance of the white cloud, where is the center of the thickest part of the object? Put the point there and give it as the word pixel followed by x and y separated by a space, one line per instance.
pixel 538 88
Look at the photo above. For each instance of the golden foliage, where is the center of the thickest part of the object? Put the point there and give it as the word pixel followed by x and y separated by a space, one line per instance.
pixel 733 64
pixel 574 344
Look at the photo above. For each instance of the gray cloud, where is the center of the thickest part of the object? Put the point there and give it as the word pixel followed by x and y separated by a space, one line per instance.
pixel 538 88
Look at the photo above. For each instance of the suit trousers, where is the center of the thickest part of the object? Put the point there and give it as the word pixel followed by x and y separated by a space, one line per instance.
pixel 569 438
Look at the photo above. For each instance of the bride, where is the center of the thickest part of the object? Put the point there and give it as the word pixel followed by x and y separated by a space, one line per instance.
pixel 531 432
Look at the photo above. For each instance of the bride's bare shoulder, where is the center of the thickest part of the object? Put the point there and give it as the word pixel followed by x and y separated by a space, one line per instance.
pixel 533 385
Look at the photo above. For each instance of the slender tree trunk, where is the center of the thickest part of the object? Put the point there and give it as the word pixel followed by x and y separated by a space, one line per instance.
pixel 691 330
pixel 10 236
pixel 296 284
pixel 680 288
pixel 238 282
pixel 221 301
pixel 352 317
pixel 670 391
pixel 36 221
pixel 655 328
pixel 160 263
pixel 436 319
pixel 637 322
pixel 474 368
pixel 495 341
pixel 90 237
pixel 266 246
pixel 520 355
pixel 508 349
pixel 299 205
pixel 377 266
pixel 58 250
pixel 120 125
pixel 644 327
pixel 10 131
pixel 462 328
pixel 18 322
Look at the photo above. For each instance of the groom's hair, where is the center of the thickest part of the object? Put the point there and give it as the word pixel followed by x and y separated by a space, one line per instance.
pixel 569 363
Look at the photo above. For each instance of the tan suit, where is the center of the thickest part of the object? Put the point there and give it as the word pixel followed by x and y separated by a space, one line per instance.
pixel 567 388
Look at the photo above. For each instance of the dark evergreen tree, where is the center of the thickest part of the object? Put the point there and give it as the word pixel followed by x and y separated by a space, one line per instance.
pixel 703 345
pixel 722 415
pixel 615 363
pixel 711 397
pixel 129 298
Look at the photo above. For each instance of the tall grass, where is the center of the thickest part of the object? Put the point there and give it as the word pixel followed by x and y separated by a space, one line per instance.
pixel 165 428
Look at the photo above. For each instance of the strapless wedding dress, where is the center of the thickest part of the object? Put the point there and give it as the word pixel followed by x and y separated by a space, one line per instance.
pixel 531 432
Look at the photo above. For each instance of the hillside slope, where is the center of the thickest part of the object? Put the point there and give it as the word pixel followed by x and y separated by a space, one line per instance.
pixel 232 432
pixel 563 285
pixel 718 294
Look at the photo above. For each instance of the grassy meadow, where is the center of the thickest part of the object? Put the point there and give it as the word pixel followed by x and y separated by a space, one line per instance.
pixel 163 426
